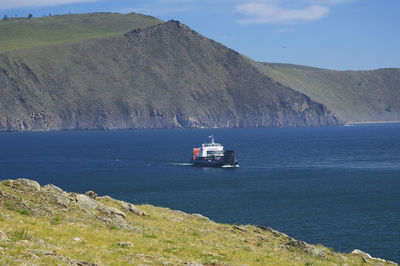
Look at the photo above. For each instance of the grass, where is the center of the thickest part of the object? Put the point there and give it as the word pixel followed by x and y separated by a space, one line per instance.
pixel 56 220
pixel 25 33
pixel 19 234
pixel 166 237
pixel 354 96
pixel 23 211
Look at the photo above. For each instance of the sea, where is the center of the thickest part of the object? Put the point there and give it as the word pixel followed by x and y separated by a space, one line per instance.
pixel 335 186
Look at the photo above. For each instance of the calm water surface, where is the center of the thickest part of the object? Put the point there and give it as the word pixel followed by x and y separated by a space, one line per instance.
pixel 336 186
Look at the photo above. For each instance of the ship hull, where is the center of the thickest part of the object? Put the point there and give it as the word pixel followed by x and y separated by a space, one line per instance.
pixel 227 161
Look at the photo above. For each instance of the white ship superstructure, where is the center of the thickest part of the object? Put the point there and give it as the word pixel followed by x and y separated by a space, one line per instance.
pixel 213 155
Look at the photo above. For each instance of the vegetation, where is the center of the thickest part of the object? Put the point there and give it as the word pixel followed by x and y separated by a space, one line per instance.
pixel 354 96
pixel 67 232
pixel 60 29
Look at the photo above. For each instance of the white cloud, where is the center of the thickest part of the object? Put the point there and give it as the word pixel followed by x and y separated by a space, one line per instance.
pixel 262 13
pixel 10 4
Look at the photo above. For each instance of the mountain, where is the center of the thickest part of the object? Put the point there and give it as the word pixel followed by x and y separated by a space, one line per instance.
pixel 154 76
pixel 44 225
pixel 354 96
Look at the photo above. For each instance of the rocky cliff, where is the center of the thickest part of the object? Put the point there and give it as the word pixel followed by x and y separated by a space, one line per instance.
pixel 44 225
pixel 163 76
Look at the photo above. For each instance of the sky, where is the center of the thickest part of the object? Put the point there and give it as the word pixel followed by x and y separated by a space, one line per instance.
pixel 333 34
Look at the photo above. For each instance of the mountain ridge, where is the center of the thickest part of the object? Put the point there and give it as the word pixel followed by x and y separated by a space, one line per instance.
pixel 162 76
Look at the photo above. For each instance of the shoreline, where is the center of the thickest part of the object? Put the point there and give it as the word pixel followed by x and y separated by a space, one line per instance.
pixel 371 123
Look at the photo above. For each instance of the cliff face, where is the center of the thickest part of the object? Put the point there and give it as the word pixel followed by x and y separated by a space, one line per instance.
pixel 164 76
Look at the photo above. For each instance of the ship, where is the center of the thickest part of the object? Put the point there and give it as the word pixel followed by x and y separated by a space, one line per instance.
pixel 213 155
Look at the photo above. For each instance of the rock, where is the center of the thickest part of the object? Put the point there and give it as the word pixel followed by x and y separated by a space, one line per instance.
pixel 42 252
pixel 24 243
pixel 91 194
pixel 106 197
pixel 110 210
pixel 61 197
pixel 297 244
pixel 80 262
pixel 86 202
pixel 181 213
pixel 131 208
pixel 30 184
pixel 3 236
pixel 201 217
pixel 316 251
pixel 62 200
pixel 240 228
pixel 125 244
pixel 361 253
pixel 120 222
pixel 310 249
pixel 8 182
pixel 50 188
pixel 262 238
pixel 274 232
pixel 365 256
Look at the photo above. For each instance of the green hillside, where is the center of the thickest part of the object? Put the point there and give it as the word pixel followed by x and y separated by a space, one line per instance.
pixel 354 96
pixel 44 225
pixel 24 33
pixel 163 76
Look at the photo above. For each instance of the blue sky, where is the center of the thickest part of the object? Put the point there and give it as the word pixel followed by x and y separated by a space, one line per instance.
pixel 334 34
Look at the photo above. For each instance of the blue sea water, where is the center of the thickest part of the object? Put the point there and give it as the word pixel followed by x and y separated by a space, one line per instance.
pixel 338 186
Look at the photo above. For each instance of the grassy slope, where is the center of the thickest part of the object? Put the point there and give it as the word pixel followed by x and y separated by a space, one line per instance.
pixel 25 33
pixel 355 96
pixel 40 231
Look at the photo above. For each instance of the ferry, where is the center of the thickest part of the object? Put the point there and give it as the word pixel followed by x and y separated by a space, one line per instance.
pixel 213 155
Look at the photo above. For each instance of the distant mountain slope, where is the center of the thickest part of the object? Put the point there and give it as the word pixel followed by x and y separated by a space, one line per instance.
pixel 24 33
pixel 163 76
pixel 354 96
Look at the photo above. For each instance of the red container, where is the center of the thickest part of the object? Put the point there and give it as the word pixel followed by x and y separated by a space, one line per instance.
pixel 196 152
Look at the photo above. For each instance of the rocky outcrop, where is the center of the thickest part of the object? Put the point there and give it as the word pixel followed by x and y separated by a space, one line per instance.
pixel 366 257
pixel 26 183
pixel 56 195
